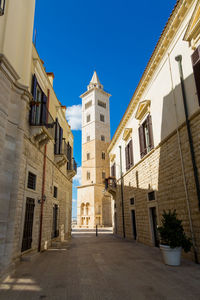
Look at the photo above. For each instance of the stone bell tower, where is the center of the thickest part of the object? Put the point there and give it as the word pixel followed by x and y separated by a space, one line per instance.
pixel 94 207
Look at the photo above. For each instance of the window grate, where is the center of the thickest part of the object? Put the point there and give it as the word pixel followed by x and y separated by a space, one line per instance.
pixel 132 201
pixel 31 181
pixel 151 196
pixel 55 191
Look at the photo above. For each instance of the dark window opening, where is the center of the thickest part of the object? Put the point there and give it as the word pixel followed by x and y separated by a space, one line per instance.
pixel 129 155
pixel 103 155
pixel 196 69
pixel 113 170
pixel 102 118
pixel 31 181
pixel 151 196
pixel 55 191
pixel 28 224
pixel 132 201
pixel 146 136
pixel 102 138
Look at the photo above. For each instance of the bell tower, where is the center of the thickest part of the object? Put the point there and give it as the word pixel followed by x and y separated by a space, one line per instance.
pixel 94 208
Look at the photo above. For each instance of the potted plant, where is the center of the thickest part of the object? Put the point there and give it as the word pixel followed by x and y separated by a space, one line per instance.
pixel 172 238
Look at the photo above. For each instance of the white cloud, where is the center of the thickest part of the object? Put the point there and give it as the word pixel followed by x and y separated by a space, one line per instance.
pixel 77 178
pixel 74 116
pixel 74 200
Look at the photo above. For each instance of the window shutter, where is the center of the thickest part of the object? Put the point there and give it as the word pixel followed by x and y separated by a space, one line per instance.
pixel 149 123
pixel 114 170
pixel 56 145
pixel 60 139
pixel 34 86
pixel 44 112
pixel 131 153
pixel 126 156
pixel 141 138
pixel 33 107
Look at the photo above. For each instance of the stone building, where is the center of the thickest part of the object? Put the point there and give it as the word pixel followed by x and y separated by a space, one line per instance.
pixel 36 144
pixel 158 171
pixel 93 205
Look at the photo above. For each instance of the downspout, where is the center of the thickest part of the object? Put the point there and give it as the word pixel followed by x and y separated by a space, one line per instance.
pixel 43 184
pixel 122 192
pixel 178 59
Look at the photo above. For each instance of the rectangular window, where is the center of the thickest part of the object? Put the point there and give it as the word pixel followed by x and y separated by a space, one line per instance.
pixel 88 138
pixel 102 118
pixel 146 136
pixel 151 196
pixel 113 170
pixel 129 155
pixel 88 156
pixel 103 155
pixel 31 181
pixel 58 138
pixel 88 175
pixel 103 175
pixel 132 201
pixel 69 156
pixel 88 118
pixel 55 191
pixel 88 104
pixel 102 104
pixel 103 138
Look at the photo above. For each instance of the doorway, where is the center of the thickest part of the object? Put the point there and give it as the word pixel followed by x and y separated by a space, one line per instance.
pixel 55 231
pixel 153 218
pixel 28 224
pixel 134 224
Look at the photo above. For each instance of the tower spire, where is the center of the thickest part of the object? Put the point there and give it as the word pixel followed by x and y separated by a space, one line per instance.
pixel 95 82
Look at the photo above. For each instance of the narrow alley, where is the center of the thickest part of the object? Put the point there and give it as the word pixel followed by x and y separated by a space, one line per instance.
pixel 103 267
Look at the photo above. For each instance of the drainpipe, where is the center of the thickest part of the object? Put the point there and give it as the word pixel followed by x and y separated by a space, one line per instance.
pixel 179 60
pixel 122 192
pixel 43 184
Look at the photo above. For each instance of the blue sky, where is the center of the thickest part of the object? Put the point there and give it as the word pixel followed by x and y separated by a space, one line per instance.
pixel 114 37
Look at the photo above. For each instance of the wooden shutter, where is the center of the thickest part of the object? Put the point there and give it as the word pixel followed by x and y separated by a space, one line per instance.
pixel 196 69
pixel 60 139
pixel 149 124
pixel 131 153
pixel 126 157
pixel 33 107
pixel 56 145
pixel 44 110
pixel 141 139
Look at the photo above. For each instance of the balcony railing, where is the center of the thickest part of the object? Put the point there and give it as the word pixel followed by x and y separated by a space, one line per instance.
pixel 42 123
pixel 111 185
pixel 61 153
pixel 71 168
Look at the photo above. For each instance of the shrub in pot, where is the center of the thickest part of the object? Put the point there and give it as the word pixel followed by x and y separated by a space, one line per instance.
pixel 172 238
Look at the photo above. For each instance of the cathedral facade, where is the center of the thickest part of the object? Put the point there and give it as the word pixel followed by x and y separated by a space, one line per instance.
pixel 94 205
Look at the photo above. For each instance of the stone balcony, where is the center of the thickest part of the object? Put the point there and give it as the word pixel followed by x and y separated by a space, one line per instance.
pixel 41 124
pixel 111 185
pixel 71 168
pixel 60 157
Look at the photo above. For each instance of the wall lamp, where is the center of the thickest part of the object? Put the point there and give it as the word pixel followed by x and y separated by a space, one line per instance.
pixel 2 7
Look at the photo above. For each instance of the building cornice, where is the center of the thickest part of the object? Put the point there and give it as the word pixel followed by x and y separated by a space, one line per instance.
pixel 179 12
pixel 90 90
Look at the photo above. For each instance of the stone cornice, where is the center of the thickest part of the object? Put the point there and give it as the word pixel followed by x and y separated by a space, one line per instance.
pixel 100 90
pixel 179 12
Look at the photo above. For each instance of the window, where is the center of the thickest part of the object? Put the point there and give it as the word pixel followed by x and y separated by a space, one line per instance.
pixel 113 170
pixel 102 118
pixel 31 181
pixel 103 155
pixel 146 136
pixel 102 104
pixel 58 138
pixel 151 196
pixel 88 104
pixel 88 138
pixel 129 155
pixel 102 138
pixel 88 156
pixel 55 191
pixel 196 69
pixel 103 175
pixel 88 175
pixel 88 118
pixel 132 201
pixel 69 156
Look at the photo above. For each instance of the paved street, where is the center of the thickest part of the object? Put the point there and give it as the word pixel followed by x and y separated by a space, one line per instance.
pixel 103 267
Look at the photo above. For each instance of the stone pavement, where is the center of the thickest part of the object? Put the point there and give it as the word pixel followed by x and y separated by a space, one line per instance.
pixel 103 267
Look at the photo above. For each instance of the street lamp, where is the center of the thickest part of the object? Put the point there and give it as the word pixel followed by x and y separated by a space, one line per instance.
pixel 2 7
